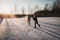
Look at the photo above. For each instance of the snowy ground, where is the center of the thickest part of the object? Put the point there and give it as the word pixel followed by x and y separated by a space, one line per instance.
pixel 18 29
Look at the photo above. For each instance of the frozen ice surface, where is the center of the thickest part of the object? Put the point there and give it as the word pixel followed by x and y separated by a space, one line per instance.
pixel 18 29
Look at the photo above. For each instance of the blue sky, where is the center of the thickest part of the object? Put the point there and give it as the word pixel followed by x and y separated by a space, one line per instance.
pixel 7 5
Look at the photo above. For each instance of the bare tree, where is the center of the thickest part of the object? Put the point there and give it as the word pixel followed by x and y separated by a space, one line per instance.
pixel 46 7
pixel 29 9
pixel 49 7
pixel 36 8
pixel 56 3
pixel 23 10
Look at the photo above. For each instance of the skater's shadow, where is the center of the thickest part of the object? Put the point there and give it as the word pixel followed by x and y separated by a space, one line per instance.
pixel 1 19
pixel 46 31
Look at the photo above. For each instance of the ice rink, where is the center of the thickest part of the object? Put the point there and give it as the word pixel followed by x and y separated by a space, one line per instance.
pixel 19 29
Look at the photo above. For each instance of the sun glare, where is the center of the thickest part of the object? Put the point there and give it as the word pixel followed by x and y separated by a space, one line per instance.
pixel 5 9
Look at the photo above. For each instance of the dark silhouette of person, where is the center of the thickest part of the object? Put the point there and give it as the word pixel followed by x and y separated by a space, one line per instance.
pixel 1 20
pixel 36 20
pixel 29 18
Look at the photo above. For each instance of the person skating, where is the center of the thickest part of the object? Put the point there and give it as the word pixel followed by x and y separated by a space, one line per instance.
pixel 35 20
pixel 29 18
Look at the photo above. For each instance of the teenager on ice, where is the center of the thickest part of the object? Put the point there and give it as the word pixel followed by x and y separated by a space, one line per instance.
pixel 29 18
pixel 35 20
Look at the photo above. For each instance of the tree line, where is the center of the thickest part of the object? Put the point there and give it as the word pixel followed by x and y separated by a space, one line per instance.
pixel 50 11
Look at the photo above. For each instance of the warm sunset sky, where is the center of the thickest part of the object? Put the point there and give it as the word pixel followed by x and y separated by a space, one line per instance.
pixel 8 5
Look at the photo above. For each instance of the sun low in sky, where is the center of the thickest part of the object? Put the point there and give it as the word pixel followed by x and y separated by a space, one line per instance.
pixel 5 8
pixel 8 5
